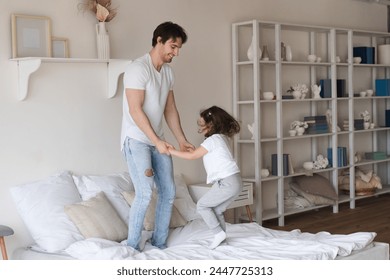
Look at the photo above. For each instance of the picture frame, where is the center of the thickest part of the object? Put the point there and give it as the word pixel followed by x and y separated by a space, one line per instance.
pixel 60 47
pixel 31 36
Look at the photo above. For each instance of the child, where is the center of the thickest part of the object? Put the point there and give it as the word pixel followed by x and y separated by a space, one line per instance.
pixel 222 170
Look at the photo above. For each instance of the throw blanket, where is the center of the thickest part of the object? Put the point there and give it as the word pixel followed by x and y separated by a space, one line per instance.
pixel 245 241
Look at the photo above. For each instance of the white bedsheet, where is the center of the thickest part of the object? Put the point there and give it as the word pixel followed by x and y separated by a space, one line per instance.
pixel 245 241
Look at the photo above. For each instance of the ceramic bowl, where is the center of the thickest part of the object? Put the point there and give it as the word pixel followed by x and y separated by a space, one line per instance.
pixel 308 165
pixel 268 95
pixel 311 58
pixel 357 59
pixel 370 92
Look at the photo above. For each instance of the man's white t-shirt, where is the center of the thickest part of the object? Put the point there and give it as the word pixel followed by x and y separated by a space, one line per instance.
pixel 141 74
pixel 218 162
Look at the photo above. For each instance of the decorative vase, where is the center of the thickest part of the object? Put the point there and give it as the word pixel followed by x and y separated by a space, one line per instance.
pixel 103 41
pixel 300 131
pixel 283 51
pixel 297 94
pixel 288 53
pixel 265 55
pixel 366 125
pixel 251 50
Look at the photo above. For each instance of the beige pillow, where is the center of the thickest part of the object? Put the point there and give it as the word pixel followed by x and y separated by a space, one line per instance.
pixel 316 185
pixel 177 220
pixel 313 199
pixel 96 217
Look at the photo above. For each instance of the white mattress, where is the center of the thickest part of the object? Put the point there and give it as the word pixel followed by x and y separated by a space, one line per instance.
pixel 245 241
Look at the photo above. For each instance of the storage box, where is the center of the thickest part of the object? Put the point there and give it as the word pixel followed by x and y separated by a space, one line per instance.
pixel 326 88
pixel 376 155
pixel 382 87
pixel 366 53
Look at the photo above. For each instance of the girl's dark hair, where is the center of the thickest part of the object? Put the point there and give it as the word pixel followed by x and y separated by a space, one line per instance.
pixel 219 122
pixel 168 30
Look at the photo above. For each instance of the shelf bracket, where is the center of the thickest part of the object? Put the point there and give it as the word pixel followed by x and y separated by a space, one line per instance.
pixel 25 69
pixel 115 68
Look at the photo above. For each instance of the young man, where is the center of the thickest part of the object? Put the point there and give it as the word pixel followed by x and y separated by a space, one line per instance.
pixel 148 97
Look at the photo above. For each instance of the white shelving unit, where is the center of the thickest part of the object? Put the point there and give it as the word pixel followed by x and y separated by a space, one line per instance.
pixel 271 118
pixel 29 65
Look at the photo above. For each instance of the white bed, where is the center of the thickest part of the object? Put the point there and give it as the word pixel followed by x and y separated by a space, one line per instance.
pixel 59 236
pixel 245 241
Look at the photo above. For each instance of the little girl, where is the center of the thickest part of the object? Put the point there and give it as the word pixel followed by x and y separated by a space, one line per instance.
pixel 222 170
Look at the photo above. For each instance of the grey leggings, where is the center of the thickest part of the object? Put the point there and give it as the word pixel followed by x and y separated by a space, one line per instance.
pixel 213 204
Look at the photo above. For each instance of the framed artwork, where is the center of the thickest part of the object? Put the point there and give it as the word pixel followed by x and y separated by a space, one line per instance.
pixel 31 36
pixel 60 47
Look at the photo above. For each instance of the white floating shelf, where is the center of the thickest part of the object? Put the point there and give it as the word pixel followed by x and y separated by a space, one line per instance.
pixel 29 65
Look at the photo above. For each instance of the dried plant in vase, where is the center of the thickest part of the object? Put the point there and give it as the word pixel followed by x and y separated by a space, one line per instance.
pixel 101 8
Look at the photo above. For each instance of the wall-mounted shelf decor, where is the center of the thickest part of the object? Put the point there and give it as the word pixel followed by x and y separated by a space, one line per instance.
pixel 29 65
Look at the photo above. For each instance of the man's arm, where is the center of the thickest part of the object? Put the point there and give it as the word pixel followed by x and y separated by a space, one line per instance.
pixel 135 100
pixel 173 120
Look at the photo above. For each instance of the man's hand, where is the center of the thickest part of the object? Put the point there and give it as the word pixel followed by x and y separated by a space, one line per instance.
pixel 186 147
pixel 163 147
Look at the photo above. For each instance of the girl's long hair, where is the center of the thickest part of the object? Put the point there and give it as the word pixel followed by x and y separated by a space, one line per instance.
pixel 219 122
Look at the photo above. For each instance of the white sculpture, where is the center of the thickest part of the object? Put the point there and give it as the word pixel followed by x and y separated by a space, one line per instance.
pixel 316 91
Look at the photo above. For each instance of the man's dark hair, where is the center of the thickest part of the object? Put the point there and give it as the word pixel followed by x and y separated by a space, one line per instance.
pixel 168 30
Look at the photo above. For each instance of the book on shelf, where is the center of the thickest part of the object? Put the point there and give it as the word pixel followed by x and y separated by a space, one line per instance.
pixel 341 156
pixel 287 165
pixel 316 124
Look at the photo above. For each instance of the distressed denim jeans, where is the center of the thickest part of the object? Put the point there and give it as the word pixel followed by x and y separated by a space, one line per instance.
pixel 149 168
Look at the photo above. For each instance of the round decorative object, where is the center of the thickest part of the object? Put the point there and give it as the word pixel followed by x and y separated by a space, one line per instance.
pixel 268 95
pixel 308 165
pixel 264 173
pixel 300 131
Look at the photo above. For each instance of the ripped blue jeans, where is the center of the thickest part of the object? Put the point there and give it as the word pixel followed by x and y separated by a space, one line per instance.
pixel 149 168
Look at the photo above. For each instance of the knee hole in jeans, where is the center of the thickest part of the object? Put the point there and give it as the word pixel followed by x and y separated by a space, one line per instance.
pixel 149 172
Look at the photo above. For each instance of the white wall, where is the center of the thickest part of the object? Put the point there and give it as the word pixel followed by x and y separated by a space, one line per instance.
pixel 67 122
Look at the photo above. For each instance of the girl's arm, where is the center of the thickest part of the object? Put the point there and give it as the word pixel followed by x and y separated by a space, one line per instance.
pixel 195 154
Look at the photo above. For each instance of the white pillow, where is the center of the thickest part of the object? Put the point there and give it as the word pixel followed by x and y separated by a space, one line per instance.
pixel 112 185
pixel 41 206
pixel 176 219
pixel 97 218
pixel 183 201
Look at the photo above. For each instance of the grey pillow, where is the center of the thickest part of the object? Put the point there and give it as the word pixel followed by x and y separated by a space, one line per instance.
pixel 316 185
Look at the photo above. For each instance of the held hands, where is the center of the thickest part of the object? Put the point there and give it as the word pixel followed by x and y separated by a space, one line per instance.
pixel 163 147
pixel 186 147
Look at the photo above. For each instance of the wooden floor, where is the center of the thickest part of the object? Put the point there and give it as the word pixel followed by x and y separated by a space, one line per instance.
pixel 371 214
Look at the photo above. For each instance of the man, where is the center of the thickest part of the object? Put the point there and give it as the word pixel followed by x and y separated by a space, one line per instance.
pixel 148 97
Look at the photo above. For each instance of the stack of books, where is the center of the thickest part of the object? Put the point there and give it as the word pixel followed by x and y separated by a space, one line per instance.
pixel 317 124
pixel 358 124
pixel 341 156
pixel 287 165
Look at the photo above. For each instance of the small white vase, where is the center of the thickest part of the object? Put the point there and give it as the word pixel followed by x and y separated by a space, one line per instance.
pixel 288 53
pixel 251 50
pixel 300 131
pixel 102 41
pixel 297 94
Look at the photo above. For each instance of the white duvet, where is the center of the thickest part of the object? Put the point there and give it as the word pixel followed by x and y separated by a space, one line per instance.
pixel 244 241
